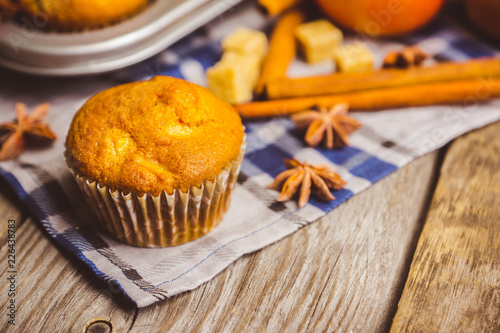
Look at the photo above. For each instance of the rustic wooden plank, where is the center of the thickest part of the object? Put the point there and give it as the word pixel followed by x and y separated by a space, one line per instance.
pixel 344 272
pixel 454 282
pixel 51 291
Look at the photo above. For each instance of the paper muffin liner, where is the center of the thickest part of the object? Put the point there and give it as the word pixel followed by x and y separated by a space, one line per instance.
pixel 163 220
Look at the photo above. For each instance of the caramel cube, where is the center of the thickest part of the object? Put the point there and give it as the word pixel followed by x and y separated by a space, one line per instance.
pixel 246 41
pixel 234 77
pixel 318 40
pixel 354 58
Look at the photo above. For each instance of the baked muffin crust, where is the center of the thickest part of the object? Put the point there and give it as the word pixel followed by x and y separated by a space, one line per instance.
pixel 154 135
pixel 78 14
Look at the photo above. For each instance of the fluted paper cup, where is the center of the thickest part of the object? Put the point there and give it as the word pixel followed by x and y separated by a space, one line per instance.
pixel 163 220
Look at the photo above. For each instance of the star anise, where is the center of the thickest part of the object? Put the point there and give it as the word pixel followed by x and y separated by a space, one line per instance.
pixel 14 136
pixel 331 126
pixel 320 178
pixel 409 56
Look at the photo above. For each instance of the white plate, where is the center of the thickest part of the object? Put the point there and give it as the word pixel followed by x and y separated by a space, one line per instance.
pixel 26 49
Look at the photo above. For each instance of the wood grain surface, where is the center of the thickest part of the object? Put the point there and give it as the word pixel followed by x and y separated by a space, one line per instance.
pixel 454 282
pixel 344 272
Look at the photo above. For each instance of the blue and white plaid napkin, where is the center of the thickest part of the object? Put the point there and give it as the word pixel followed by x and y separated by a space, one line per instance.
pixel 387 141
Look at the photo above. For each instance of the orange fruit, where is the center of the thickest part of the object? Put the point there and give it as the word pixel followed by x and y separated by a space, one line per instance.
pixel 381 17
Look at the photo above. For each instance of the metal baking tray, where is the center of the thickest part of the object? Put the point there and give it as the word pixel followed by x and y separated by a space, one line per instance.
pixel 25 49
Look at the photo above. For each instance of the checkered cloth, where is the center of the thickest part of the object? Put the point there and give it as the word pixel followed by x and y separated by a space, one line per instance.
pixel 387 141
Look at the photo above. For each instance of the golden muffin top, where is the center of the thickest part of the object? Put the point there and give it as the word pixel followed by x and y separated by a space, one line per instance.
pixel 154 135
pixel 75 14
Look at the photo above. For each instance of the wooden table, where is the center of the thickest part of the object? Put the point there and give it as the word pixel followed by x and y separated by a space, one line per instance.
pixel 419 251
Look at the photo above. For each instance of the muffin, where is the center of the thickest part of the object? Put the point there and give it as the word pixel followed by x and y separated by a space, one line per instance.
pixel 71 14
pixel 156 160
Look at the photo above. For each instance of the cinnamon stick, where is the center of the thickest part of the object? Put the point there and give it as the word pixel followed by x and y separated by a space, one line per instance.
pixel 275 7
pixel 463 91
pixel 282 49
pixel 344 83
